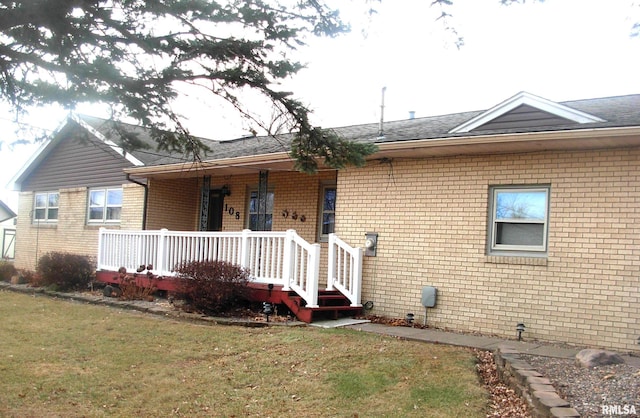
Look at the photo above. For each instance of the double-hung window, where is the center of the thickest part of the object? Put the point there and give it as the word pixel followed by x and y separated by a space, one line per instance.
pixel 327 212
pixel 519 220
pixel 105 205
pixel 45 207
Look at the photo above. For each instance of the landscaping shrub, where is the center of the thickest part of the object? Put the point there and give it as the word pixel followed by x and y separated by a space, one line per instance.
pixel 7 270
pixel 213 286
pixel 64 271
pixel 133 289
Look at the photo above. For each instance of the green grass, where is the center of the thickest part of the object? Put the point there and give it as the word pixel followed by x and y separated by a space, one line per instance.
pixel 59 358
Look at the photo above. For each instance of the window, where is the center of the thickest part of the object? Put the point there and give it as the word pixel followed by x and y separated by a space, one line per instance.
pixel 45 207
pixel 105 205
pixel 519 219
pixel 327 212
pixel 254 205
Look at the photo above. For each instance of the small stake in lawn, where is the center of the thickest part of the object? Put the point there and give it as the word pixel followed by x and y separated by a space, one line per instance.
pixel 267 309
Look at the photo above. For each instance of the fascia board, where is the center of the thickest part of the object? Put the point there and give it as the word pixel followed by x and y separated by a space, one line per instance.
pixel 208 164
pixel 507 138
pixel 133 160
pixel 16 181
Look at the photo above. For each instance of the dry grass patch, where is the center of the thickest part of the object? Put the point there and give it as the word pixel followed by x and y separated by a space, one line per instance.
pixel 59 358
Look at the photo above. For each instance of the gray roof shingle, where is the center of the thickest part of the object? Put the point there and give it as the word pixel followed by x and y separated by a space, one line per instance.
pixel 619 111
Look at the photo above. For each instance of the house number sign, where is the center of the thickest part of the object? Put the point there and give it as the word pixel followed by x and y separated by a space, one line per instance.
pixel 231 211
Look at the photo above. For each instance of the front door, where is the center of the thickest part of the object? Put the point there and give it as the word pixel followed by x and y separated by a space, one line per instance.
pixel 216 206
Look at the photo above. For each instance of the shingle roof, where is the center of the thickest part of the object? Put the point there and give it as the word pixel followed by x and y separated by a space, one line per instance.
pixel 619 111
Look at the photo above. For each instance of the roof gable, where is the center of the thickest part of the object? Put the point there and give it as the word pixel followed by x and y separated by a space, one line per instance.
pixel 52 144
pixel 525 110
pixel 6 212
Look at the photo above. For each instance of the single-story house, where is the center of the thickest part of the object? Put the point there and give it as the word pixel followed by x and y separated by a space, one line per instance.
pixel 7 232
pixel 525 213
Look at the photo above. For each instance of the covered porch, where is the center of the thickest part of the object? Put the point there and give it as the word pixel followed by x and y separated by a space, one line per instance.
pixel 284 268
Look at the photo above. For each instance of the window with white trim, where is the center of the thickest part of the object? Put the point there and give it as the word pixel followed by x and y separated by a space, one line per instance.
pixel 327 218
pixel 105 205
pixel 519 220
pixel 45 206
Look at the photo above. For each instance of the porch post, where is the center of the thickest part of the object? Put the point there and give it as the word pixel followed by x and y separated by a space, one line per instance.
pixel 162 269
pixel 204 203
pixel 331 262
pixel 262 200
pixel 245 249
pixel 287 267
pixel 356 287
pixel 100 248
pixel 313 276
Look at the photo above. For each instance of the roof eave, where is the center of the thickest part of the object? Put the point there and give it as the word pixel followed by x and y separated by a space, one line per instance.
pixel 514 142
pixel 464 145
pixel 251 163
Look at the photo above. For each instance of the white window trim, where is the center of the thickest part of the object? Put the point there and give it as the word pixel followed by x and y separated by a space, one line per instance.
pixel 46 207
pixel 519 250
pixel 105 206
pixel 324 237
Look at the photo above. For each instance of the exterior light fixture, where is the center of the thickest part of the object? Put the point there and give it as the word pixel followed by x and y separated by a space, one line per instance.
pixel 409 318
pixel 267 309
pixel 520 329
pixel 225 191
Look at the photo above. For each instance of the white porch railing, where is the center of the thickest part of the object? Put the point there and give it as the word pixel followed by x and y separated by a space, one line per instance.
pixel 344 271
pixel 271 257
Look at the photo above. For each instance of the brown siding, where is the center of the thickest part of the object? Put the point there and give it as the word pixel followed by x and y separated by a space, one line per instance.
pixel 77 162
pixel 523 117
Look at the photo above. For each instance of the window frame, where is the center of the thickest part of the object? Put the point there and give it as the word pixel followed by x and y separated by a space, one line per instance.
pixel 105 206
pixel 47 207
pixel 494 248
pixel 270 191
pixel 322 237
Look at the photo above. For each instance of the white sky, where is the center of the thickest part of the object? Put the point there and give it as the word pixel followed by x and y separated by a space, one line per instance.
pixel 559 49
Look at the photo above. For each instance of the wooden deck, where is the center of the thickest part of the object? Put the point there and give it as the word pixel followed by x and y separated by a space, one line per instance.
pixel 331 303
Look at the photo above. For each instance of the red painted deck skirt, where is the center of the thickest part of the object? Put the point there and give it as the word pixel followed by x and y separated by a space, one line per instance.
pixel 259 292
pixel 332 303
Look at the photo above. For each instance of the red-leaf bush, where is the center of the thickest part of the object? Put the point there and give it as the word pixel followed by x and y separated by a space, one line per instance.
pixel 213 287
pixel 64 271
pixel 7 270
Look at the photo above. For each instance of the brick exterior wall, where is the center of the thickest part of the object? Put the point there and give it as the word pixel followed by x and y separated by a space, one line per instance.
pixel 432 214
pixel 173 204
pixel 70 233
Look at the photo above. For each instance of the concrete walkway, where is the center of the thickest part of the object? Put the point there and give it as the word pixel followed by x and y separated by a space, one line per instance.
pixel 470 340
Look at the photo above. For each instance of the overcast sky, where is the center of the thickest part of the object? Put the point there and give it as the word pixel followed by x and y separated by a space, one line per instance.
pixel 559 49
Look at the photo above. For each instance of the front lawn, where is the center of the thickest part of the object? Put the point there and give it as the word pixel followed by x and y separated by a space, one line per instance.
pixel 59 358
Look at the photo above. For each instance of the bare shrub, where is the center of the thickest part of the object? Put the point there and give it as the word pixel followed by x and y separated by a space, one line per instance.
pixel 65 271
pixel 212 286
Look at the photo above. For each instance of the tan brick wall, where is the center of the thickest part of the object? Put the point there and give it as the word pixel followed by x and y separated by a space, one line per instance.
pixel 71 233
pixel 294 192
pixel 173 204
pixel 133 208
pixel 431 215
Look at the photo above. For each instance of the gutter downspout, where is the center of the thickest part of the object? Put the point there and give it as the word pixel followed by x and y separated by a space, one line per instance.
pixel 144 203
